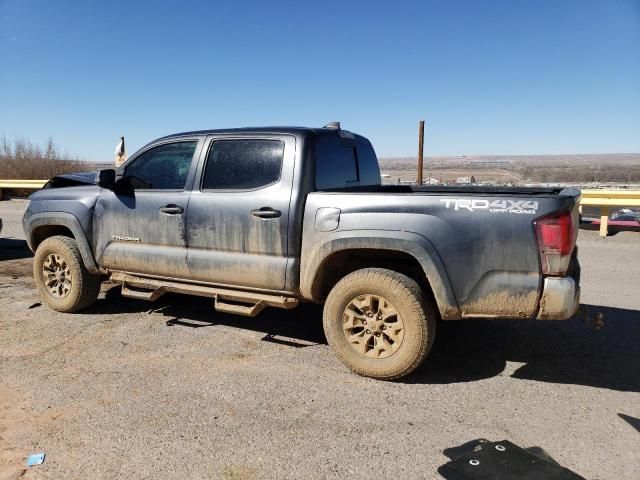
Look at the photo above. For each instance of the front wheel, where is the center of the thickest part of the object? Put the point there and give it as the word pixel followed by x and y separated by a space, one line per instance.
pixel 63 281
pixel 379 323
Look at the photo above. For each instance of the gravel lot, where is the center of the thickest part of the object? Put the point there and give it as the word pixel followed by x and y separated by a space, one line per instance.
pixel 174 390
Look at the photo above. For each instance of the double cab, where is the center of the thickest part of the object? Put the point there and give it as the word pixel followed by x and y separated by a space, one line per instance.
pixel 275 216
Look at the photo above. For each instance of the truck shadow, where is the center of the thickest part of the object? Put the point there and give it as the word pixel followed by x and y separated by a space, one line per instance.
pixel 303 324
pixel 14 249
pixel 569 352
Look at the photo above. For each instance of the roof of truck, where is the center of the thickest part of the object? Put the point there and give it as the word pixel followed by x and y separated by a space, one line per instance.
pixel 275 129
pixel 297 131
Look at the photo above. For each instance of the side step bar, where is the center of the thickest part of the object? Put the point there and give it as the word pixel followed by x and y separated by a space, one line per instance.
pixel 149 295
pixel 247 310
pixel 226 300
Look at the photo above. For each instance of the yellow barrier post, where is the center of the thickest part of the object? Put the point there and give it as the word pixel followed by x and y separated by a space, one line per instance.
pixel 604 221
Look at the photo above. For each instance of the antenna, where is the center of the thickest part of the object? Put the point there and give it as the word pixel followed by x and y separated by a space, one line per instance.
pixel 333 125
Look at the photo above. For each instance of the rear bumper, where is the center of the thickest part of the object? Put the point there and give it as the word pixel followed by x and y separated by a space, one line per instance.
pixel 560 299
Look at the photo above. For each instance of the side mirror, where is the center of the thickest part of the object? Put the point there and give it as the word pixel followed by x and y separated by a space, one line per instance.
pixel 107 178
pixel 124 187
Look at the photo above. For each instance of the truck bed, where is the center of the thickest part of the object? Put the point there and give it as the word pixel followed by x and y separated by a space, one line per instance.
pixel 481 239
pixel 458 190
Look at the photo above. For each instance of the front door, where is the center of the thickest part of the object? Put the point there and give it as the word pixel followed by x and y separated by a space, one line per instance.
pixel 143 230
pixel 239 212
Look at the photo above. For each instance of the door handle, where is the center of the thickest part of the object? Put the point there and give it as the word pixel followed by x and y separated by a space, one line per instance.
pixel 266 212
pixel 172 209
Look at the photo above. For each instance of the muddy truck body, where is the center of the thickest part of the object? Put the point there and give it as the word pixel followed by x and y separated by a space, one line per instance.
pixel 271 217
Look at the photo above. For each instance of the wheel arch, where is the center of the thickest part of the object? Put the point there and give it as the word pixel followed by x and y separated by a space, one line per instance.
pixel 405 252
pixel 44 225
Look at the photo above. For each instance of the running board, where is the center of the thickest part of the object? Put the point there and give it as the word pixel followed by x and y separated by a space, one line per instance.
pixel 225 300
pixel 250 310
pixel 149 295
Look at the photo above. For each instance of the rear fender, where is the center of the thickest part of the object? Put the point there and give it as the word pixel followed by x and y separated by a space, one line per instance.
pixel 406 242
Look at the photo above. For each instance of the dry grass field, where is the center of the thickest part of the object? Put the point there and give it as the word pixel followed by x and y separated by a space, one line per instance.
pixel 449 175
pixel 518 169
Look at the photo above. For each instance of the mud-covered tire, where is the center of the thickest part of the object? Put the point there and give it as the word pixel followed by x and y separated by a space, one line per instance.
pixel 399 293
pixel 83 287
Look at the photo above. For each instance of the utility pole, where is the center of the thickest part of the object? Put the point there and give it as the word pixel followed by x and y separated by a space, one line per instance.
pixel 420 151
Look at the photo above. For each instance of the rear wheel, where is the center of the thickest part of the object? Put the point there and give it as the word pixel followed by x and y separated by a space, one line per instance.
pixel 63 281
pixel 379 323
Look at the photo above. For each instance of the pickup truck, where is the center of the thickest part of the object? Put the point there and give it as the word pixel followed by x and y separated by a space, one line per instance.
pixel 271 217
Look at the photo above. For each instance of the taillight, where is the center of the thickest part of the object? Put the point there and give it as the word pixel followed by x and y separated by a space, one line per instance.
pixel 556 239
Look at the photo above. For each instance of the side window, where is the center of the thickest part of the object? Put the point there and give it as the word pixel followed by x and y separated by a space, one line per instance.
pixel 243 164
pixel 336 165
pixel 368 167
pixel 162 168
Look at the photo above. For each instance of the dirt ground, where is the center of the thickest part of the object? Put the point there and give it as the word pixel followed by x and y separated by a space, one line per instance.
pixel 173 389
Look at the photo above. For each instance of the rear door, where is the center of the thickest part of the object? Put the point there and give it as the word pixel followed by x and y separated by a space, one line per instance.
pixel 238 213
pixel 143 231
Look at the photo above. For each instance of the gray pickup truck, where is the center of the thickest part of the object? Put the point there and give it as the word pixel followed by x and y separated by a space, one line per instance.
pixel 261 217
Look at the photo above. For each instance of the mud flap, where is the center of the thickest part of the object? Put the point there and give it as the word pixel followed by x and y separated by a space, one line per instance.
pixel 481 459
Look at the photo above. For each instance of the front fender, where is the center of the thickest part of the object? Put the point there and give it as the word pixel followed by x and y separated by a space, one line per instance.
pixel 407 242
pixel 65 220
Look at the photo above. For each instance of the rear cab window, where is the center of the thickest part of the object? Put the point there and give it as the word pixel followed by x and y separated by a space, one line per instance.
pixel 345 162
pixel 243 164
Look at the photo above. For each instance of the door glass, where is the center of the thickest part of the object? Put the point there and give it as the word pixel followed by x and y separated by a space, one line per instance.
pixel 243 164
pixel 161 168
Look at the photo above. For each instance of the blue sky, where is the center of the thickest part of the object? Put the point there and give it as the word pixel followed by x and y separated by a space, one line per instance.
pixel 489 77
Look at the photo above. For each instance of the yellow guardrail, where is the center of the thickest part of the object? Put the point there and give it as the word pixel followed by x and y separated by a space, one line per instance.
pixel 26 184
pixel 606 199
pixel 590 197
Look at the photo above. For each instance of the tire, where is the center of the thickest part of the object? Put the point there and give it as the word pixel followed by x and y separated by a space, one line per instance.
pixel 389 348
pixel 74 287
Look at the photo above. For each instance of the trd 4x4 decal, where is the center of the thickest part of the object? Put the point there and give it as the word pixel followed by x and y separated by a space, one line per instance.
pixel 526 207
